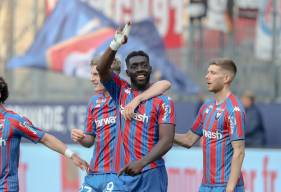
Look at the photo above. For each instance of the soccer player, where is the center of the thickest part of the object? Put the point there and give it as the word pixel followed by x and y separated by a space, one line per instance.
pixel 221 124
pixel 145 138
pixel 100 130
pixel 12 128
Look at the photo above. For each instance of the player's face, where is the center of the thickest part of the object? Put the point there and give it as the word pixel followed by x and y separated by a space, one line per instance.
pixel 95 79
pixel 139 71
pixel 246 101
pixel 215 78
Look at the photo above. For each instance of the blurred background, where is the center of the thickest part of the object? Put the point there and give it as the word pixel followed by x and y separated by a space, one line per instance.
pixel 46 47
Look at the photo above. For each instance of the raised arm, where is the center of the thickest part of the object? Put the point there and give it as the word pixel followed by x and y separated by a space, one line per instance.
pixel 107 58
pixel 155 89
pixel 55 144
pixel 165 142
pixel 187 139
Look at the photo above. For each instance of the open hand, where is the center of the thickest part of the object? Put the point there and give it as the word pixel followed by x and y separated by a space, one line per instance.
pixel 82 164
pixel 120 37
pixel 130 108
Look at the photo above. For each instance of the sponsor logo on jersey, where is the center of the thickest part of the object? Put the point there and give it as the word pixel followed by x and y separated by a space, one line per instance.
pixel 128 90
pixel 105 121
pixel 212 135
pixel 218 114
pixel 236 109
pixel 233 123
pixel 136 116
pixel 167 111
pixel 3 142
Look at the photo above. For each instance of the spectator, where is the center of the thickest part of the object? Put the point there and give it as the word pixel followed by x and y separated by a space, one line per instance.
pixel 254 131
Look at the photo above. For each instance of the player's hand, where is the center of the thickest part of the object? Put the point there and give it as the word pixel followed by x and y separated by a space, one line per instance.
pixel 77 135
pixel 130 108
pixel 120 37
pixel 82 164
pixel 133 168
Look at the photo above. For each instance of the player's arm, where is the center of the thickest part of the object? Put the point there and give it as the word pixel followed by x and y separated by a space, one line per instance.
pixel 186 139
pixel 55 144
pixel 78 136
pixel 155 89
pixel 104 65
pixel 166 135
pixel 236 164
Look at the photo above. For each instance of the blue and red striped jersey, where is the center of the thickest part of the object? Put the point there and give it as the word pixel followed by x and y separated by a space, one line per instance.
pixel 137 137
pixel 101 123
pixel 219 125
pixel 12 128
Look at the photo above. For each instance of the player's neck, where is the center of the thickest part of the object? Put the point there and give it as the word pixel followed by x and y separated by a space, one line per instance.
pixel 141 89
pixel 222 95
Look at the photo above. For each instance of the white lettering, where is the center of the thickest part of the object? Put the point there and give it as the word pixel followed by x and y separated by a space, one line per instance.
pixel 140 13
pixel 212 135
pixel 136 116
pixel 122 11
pixel 105 121
pixel 47 117
pixel 178 11
pixel 161 15
pixel 3 142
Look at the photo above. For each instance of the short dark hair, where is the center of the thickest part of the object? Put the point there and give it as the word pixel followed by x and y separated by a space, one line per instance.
pixel 136 53
pixel 3 90
pixel 225 63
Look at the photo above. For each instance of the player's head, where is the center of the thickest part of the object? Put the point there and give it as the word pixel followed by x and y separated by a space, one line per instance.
pixel 221 72
pixel 138 69
pixel 95 78
pixel 248 98
pixel 4 92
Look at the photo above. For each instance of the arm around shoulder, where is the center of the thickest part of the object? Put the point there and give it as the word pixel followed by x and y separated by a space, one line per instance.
pixel 186 139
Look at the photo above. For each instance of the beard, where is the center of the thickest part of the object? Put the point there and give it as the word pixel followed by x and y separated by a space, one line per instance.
pixel 141 85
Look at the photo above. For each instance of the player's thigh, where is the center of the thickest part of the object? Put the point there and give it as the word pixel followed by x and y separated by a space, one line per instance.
pixel 155 180
pixel 150 180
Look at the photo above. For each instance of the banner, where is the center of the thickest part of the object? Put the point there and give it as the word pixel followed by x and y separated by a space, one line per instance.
pixel 75 33
pixel 264 32
pixel 167 14
pixel 219 15
pixel 47 172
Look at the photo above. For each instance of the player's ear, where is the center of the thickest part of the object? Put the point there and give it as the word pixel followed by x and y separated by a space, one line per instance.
pixel 227 77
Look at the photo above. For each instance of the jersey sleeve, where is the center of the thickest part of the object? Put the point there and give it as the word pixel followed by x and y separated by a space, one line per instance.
pixel 236 122
pixel 197 126
pixel 167 111
pixel 25 128
pixel 113 86
pixel 89 124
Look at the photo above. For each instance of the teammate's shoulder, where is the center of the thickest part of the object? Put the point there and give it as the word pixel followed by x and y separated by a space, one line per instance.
pixel 163 98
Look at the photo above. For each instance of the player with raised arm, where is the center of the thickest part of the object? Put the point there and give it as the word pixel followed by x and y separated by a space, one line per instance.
pixel 148 135
pixel 12 128
pixel 221 124
pixel 101 131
